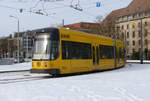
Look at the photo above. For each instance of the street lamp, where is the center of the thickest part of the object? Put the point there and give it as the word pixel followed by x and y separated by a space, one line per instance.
pixel 115 38
pixel 141 41
pixel 17 35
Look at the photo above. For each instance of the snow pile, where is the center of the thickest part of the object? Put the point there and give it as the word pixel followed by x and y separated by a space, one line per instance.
pixel 126 84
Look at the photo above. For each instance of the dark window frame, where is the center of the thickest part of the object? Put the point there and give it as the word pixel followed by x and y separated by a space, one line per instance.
pixel 106 52
pixel 76 50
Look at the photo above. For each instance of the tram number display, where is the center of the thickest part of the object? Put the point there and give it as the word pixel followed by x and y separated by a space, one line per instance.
pixel 65 36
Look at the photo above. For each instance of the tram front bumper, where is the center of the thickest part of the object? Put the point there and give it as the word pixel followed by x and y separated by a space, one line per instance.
pixel 45 71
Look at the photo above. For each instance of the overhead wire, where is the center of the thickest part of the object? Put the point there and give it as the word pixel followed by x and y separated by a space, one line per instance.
pixel 4 6
pixel 25 10
pixel 35 5
pixel 56 7
pixel 45 10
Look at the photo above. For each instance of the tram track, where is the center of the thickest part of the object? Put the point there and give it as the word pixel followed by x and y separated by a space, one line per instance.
pixel 7 77
pixel 23 79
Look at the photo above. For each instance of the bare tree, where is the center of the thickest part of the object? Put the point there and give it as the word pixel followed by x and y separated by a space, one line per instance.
pixel 106 27
pixel 4 47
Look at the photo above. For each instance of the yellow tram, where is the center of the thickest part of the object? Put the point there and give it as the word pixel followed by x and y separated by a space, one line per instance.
pixel 65 51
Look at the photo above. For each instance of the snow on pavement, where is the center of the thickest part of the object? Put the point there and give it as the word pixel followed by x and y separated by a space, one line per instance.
pixel 126 84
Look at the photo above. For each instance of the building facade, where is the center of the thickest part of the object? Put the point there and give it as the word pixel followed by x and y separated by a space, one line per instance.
pixel 21 43
pixel 131 21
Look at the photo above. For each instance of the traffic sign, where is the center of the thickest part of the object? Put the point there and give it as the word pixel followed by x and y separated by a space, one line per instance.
pixel 98 4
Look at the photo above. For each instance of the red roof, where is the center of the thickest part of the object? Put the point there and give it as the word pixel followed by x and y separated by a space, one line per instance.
pixel 81 25
pixel 136 6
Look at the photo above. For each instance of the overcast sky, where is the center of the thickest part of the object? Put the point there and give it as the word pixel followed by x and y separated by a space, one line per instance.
pixel 59 9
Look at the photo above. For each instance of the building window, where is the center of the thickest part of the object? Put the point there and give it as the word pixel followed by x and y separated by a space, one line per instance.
pixel 138 8
pixel 127 34
pixel 127 26
pixel 139 33
pixel 133 26
pixel 133 34
pixel 133 43
pixel 139 24
pixel 145 24
pixel 148 13
pixel 146 33
pixel 146 42
pixel 122 36
pixel 122 26
pixel 127 11
pixel 135 16
pixel 128 43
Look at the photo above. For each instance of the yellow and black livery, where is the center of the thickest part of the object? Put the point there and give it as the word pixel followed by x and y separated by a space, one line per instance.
pixel 65 51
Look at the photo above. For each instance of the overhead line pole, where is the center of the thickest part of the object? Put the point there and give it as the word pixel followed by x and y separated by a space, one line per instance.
pixel 18 47
pixel 63 22
pixel 141 41
pixel 18 41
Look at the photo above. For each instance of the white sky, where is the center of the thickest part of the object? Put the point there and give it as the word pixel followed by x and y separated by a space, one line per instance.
pixel 29 21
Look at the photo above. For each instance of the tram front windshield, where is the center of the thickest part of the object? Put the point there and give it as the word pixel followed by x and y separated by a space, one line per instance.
pixel 46 47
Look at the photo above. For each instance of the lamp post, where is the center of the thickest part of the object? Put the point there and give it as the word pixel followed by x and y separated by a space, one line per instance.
pixel 27 44
pixel 141 41
pixel 115 38
pixel 17 36
pixel 63 22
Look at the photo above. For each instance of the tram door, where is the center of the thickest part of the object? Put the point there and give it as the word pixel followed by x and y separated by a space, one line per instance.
pixel 95 56
pixel 94 59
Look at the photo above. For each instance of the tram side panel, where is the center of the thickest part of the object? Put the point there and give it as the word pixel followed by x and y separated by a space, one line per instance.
pixel 106 54
pixel 76 50
pixel 120 54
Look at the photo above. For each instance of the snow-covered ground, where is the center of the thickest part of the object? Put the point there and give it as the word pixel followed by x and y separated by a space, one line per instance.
pixel 131 83
pixel 15 67
pixel 137 61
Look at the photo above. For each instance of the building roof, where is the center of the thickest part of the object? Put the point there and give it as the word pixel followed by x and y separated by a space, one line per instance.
pixel 136 6
pixel 114 14
pixel 81 25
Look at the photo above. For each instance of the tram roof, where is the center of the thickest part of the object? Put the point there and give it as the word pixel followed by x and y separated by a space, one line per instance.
pixel 44 30
pixel 85 33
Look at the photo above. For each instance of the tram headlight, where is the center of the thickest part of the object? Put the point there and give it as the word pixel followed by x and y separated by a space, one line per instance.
pixel 45 64
pixel 38 64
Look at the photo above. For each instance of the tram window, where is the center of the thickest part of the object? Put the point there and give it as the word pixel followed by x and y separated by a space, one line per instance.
pixel 75 50
pixel 106 52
